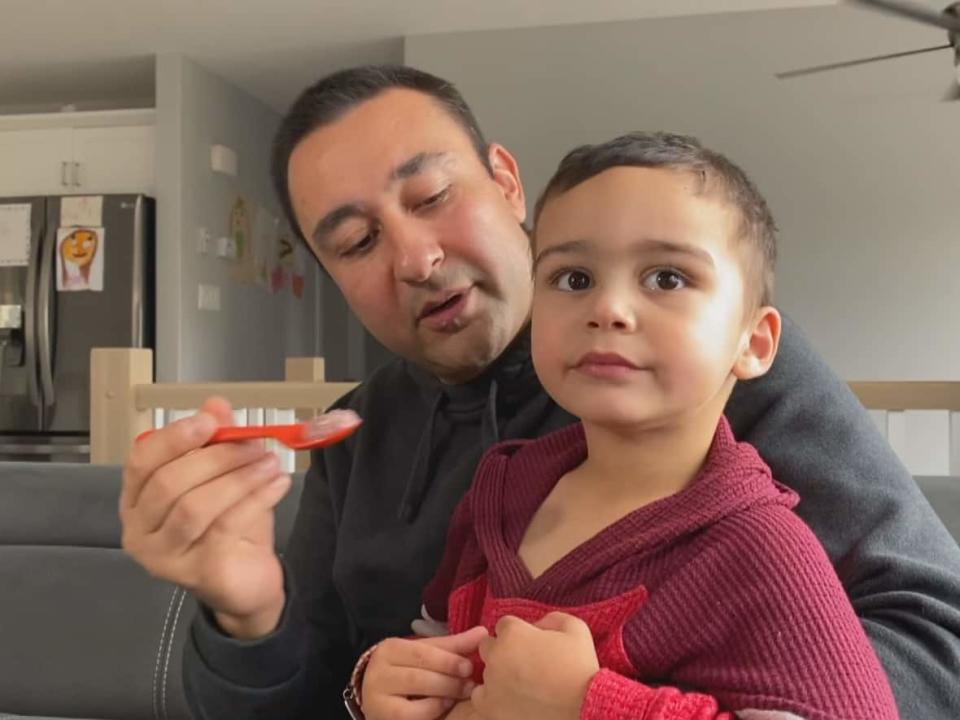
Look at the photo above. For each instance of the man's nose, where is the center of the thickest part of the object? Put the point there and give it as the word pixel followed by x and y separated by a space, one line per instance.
pixel 416 253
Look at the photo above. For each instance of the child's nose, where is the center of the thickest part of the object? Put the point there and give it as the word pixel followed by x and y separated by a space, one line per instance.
pixel 613 311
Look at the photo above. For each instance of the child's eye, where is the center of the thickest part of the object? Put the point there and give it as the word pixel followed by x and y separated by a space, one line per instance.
pixel 664 280
pixel 571 280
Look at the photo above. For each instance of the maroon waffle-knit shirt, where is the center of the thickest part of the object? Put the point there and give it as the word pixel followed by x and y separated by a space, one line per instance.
pixel 713 600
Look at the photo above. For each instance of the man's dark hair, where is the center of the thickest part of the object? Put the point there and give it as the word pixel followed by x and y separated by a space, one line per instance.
pixel 336 94
pixel 717 175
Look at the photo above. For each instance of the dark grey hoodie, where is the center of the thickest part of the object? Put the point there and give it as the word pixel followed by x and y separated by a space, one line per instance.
pixel 375 509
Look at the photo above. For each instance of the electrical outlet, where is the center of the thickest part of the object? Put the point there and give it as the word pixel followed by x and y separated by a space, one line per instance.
pixel 208 297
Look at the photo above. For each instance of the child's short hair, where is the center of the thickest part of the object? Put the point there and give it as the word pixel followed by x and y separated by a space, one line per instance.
pixel 717 174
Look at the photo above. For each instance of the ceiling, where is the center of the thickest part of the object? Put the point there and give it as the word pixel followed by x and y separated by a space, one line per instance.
pixel 99 53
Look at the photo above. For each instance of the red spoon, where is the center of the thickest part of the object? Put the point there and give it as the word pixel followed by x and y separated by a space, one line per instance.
pixel 321 431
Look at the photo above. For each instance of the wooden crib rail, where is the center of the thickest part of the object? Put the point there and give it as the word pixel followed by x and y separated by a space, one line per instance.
pixel 124 399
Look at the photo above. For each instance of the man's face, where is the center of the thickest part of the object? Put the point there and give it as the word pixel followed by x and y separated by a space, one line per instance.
pixel 638 312
pixel 426 246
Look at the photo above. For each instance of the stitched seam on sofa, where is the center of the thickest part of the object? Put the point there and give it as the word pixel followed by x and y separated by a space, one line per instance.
pixel 166 663
pixel 156 669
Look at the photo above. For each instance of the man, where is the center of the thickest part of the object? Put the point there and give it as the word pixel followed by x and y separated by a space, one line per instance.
pixel 419 222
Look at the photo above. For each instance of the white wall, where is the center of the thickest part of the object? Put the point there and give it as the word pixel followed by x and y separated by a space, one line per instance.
pixel 861 167
pixel 254 331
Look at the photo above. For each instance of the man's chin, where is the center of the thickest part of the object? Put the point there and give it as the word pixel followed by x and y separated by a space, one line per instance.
pixel 462 361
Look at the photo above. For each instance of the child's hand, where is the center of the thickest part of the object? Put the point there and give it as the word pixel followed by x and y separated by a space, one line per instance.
pixel 463 710
pixel 419 679
pixel 536 671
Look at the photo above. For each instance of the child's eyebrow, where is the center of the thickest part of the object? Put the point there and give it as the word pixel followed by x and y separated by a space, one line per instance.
pixel 642 245
pixel 570 246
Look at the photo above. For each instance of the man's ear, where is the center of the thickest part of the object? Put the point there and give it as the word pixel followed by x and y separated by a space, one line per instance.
pixel 506 174
pixel 759 347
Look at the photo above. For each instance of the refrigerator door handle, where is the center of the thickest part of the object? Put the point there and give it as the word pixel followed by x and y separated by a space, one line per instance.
pixel 44 325
pixel 63 174
pixel 139 270
pixel 76 174
pixel 30 318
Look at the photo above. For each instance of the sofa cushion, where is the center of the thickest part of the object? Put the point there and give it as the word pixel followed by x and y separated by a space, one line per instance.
pixel 86 632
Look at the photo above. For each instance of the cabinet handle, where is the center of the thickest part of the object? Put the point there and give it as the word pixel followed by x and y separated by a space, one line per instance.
pixel 63 174
pixel 76 174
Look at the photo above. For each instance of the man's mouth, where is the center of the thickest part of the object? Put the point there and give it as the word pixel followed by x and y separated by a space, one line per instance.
pixel 432 308
pixel 443 313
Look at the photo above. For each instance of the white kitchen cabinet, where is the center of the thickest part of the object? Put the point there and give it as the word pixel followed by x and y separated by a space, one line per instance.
pixel 113 159
pixel 77 153
pixel 35 162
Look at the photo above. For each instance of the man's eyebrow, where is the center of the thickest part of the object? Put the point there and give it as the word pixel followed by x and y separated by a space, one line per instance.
pixel 416 164
pixel 645 244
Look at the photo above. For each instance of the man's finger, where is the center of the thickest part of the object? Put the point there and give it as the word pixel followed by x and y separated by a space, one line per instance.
pixel 171 483
pixel 251 508
pixel 197 510
pixel 169 443
pixel 220 408
pixel 160 448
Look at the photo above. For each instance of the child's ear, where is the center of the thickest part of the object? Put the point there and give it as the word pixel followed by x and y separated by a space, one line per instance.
pixel 506 174
pixel 759 347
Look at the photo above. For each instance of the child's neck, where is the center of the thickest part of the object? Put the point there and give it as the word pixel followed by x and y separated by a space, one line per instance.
pixel 646 464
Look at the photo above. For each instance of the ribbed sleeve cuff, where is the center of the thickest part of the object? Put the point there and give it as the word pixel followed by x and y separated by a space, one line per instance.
pixel 614 697
pixel 262 663
pixel 611 696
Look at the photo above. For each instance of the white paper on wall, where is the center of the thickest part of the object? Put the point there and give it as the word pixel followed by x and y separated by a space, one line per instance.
pixel 14 235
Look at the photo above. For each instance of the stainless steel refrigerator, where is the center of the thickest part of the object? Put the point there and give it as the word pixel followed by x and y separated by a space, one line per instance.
pixel 56 304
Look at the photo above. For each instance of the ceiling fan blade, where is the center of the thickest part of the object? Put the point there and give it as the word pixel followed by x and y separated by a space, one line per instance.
pixel 912 11
pixel 851 63
pixel 953 94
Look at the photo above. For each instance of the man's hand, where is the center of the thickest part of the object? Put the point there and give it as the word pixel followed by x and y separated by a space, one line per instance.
pixel 419 679
pixel 202 517
pixel 536 671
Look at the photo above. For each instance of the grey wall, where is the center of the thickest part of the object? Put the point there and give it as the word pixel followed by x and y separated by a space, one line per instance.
pixel 254 330
pixel 861 167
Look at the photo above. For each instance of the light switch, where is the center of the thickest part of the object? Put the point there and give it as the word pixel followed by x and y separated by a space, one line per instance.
pixel 208 297
pixel 204 241
pixel 227 248
pixel 223 160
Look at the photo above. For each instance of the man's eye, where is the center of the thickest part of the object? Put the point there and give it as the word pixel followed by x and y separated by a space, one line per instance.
pixel 360 246
pixel 434 199
pixel 572 280
pixel 664 280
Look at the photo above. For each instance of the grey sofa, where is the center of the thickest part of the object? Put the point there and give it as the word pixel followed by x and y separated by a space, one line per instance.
pixel 84 632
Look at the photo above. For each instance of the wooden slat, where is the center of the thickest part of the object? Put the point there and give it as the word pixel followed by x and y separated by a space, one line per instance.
pixel 241 394
pixel 304 369
pixel 916 395
pixel 115 375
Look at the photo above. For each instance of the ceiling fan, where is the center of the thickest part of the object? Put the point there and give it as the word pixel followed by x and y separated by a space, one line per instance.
pixel 948 19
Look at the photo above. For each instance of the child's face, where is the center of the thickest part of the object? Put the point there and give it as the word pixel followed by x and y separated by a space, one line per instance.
pixel 632 263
